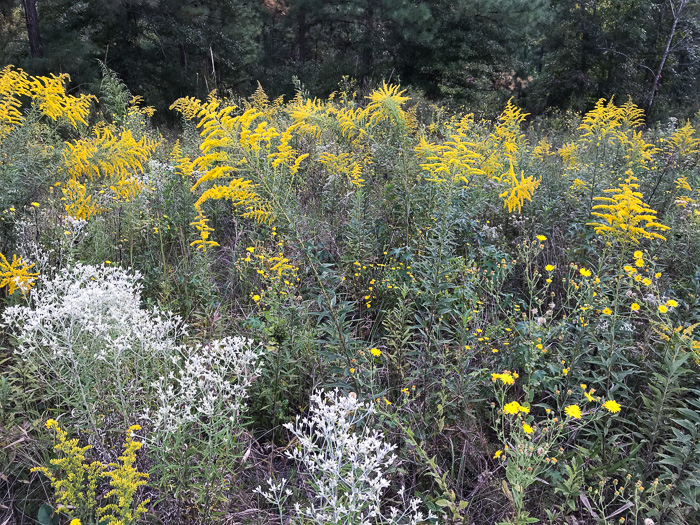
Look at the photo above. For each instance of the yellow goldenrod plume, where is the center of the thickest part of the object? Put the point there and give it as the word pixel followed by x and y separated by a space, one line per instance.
pixel 625 216
pixel 13 84
pixel 49 93
pixel 16 275
pixel 518 190
pixel 79 205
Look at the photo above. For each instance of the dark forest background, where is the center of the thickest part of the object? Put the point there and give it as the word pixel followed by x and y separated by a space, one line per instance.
pixel 546 53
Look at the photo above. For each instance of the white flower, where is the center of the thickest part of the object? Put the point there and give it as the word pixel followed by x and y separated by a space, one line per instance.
pixel 347 462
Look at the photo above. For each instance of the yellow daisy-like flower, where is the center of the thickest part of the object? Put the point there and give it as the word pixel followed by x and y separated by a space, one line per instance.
pixel 256 298
pixel 607 311
pixel 672 303
pixel 612 406
pixel 35 204
pixel 635 307
pixel 541 238
pixel 589 397
pixel 646 281
pixel 663 309
pixel 506 378
pixel 497 454
pixel 573 411
pixel 527 428
pixel 657 274
pixel 549 267
pixel 75 521
pixel 638 254
pixel 639 263
pixel 514 407
pixel 585 272
pixel 376 352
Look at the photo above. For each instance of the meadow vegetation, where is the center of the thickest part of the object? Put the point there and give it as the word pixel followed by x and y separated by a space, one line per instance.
pixel 365 309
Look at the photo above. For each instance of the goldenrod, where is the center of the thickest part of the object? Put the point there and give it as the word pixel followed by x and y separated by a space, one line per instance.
pixel 626 216
pixel 16 275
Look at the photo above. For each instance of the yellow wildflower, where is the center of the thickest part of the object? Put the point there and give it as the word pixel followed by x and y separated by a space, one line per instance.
pixel 585 272
pixel 541 238
pixel 611 406
pixel 497 454
pixel 672 303
pixel 514 407
pixel 16 275
pixel 200 222
pixel 506 378
pixel 573 411
pixel 527 428
pixel 518 190
pixel 626 217
pixel 663 309
pixel 549 267
pixel 607 311
pixel 376 352
pixel 634 306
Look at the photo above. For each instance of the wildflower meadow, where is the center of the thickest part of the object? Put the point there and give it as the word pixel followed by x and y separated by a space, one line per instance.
pixel 363 309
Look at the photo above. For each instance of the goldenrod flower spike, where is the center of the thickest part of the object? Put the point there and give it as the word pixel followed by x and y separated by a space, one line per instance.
pixel 79 205
pixel 75 482
pixel 13 85
pixel 519 190
pixel 683 141
pixel 204 229
pixel 231 142
pixel 125 479
pixel 386 104
pixel 16 275
pixel 627 218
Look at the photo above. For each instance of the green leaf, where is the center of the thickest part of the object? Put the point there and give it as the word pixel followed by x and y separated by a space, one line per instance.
pixel 46 516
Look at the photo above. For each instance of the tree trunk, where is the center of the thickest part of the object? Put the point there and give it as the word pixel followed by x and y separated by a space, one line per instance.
pixel 657 76
pixel 676 11
pixel 32 17
pixel 367 55
pixel 303 36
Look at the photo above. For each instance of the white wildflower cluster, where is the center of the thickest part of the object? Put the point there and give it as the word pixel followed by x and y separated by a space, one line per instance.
pixel 92 313
pixel 95 350
pixel 211 381
pixel 346 464
pixel 103 356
